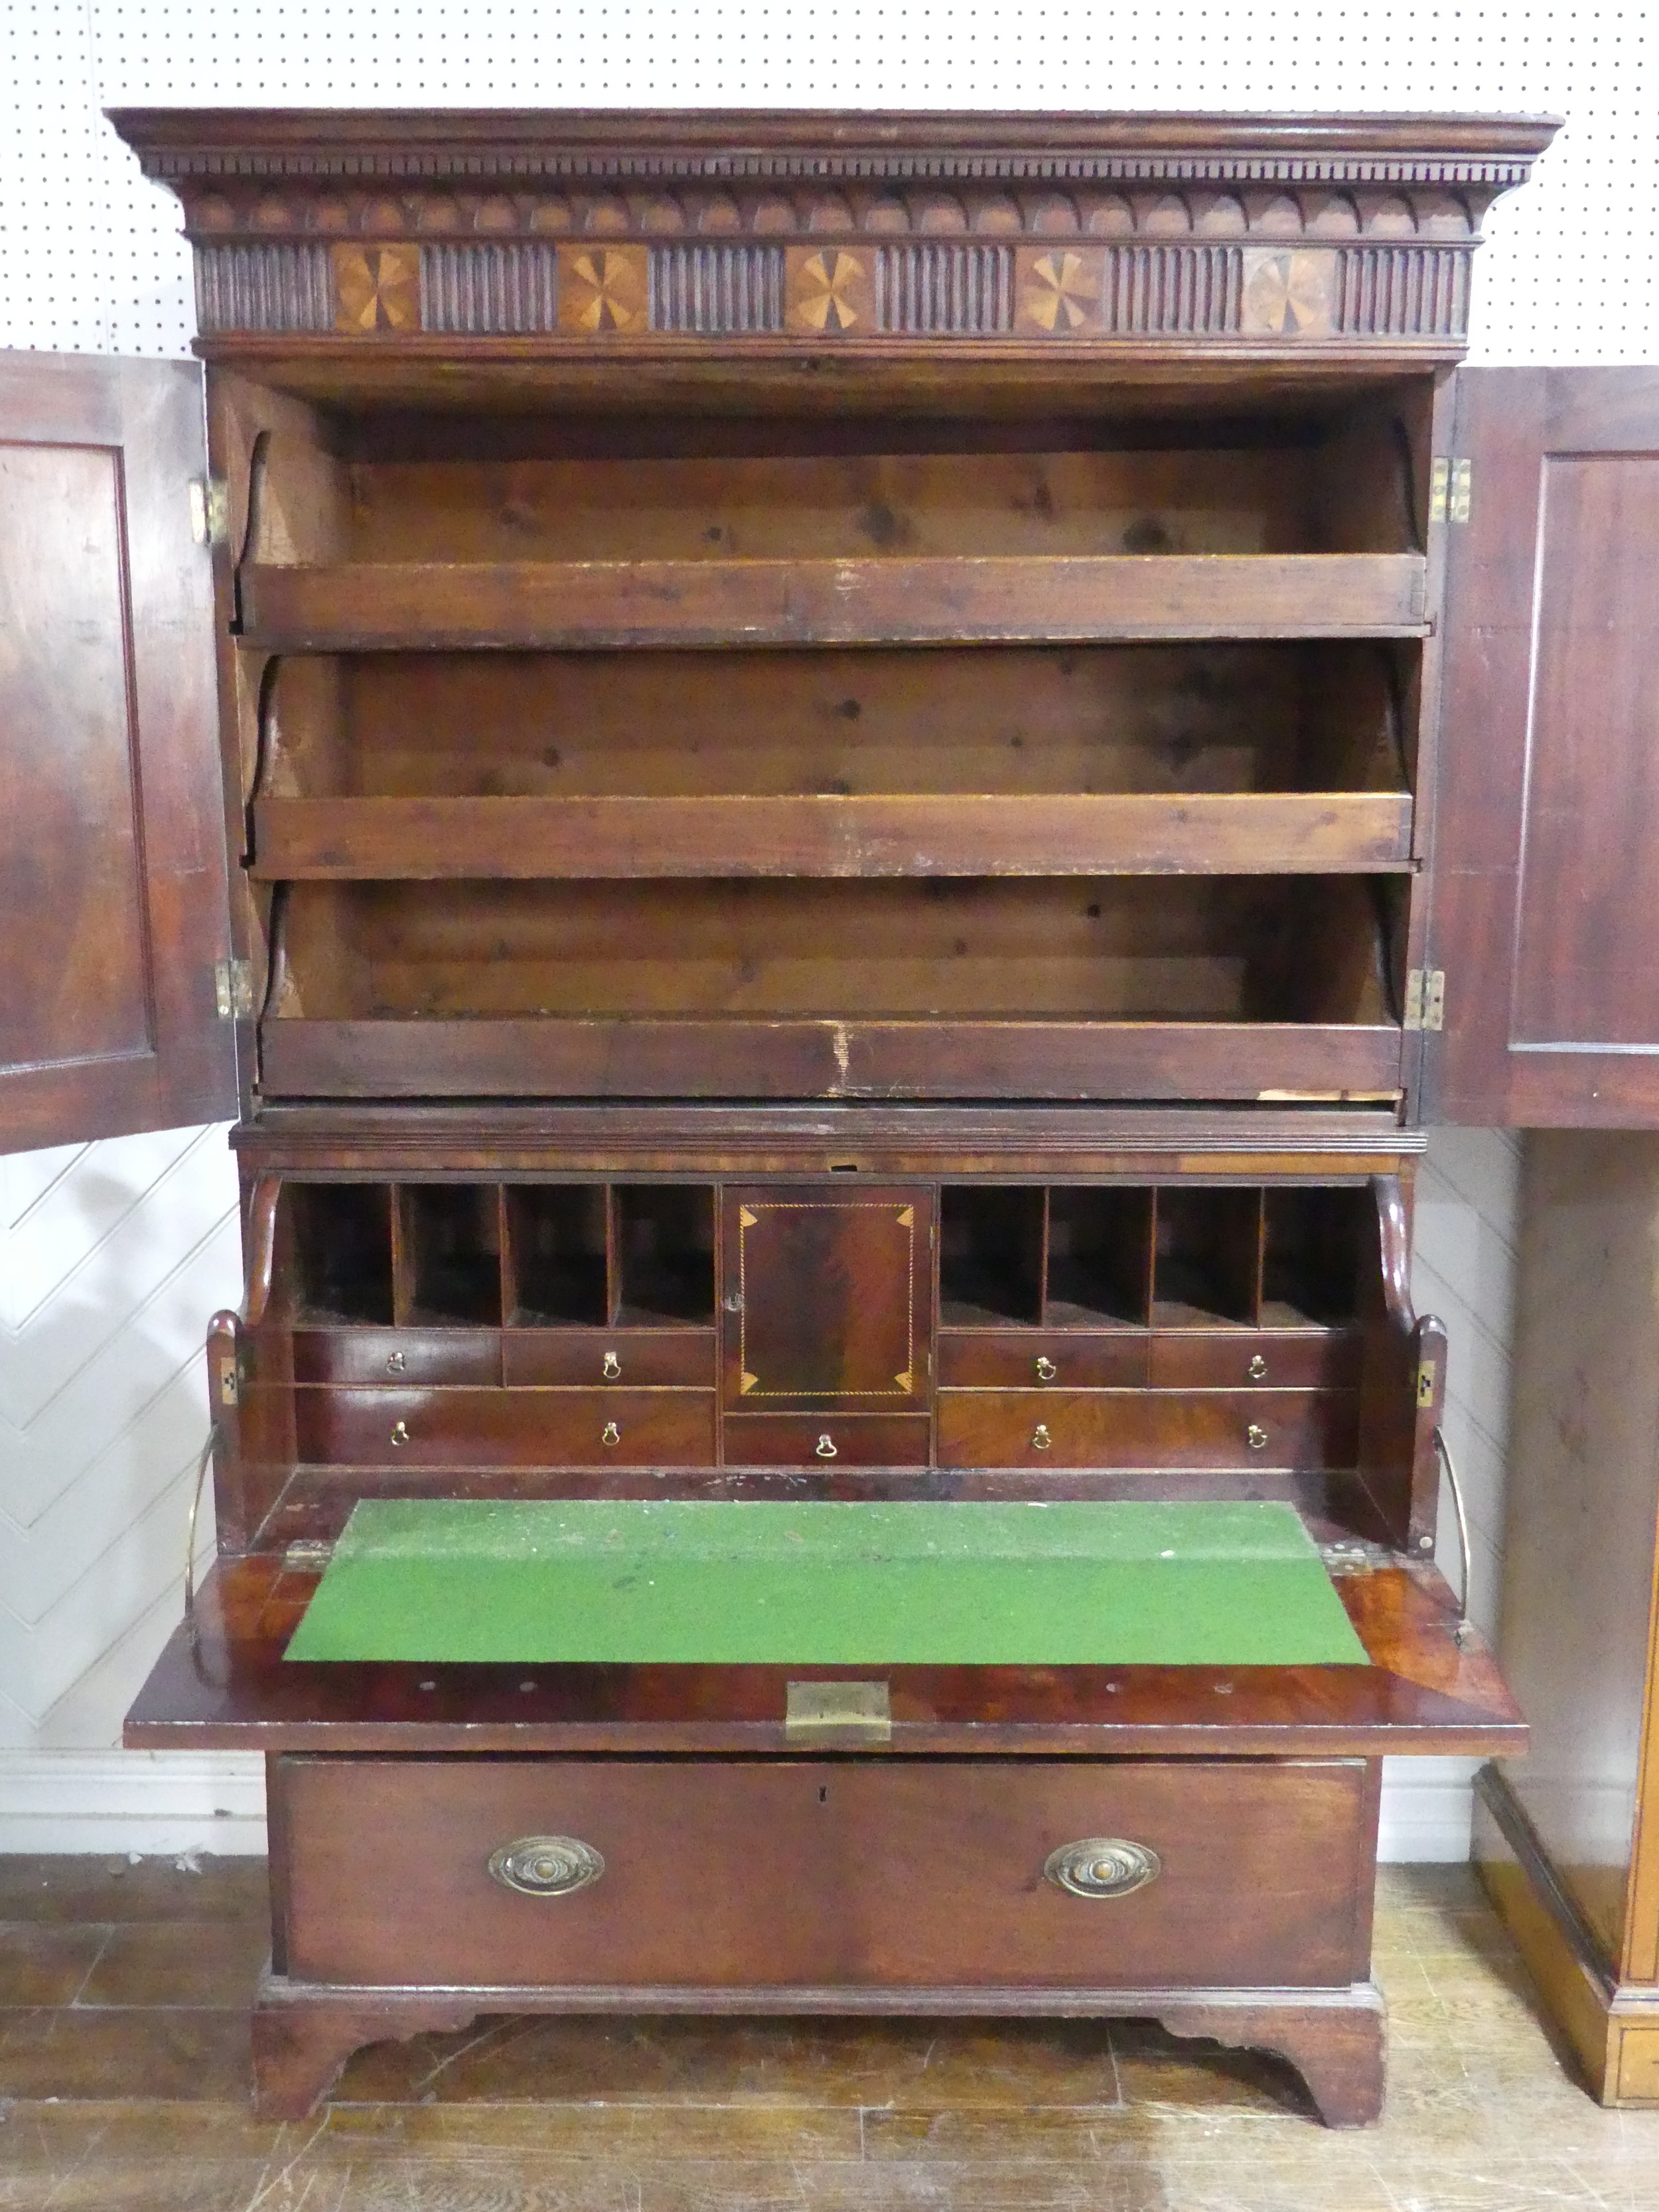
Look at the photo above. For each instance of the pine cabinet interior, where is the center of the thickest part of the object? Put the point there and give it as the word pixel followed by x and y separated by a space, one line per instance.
pixel 829 728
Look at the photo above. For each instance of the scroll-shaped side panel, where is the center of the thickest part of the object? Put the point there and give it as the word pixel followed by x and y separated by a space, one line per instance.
pixel 256 1454
pixel 1402 1383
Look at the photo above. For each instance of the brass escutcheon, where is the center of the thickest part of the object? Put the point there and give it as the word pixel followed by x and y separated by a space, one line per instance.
pixel 1046 1368
pixel 1102 1866
pixel 545 1866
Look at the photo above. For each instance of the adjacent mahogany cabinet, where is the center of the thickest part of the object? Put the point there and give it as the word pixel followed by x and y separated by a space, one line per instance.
pixel 831 735
pixel 1568 1840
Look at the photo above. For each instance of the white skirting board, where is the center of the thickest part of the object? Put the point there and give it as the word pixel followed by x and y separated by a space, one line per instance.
pixel 132 1800
pixel 214 1800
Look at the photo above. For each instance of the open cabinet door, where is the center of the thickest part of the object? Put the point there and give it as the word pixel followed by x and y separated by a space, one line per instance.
pixel 113 902
pixel 1545 917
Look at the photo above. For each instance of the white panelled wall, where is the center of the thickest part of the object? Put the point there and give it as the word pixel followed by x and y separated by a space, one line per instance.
pixel 113 1256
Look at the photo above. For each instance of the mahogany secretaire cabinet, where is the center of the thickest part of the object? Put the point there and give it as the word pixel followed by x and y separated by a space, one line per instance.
pixel 830 726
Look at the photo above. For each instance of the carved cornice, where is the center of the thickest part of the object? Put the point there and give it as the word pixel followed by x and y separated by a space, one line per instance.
pixel 1030 229
pixel 432 144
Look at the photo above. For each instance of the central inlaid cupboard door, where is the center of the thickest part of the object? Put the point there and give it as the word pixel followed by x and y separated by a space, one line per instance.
pixel 827 1299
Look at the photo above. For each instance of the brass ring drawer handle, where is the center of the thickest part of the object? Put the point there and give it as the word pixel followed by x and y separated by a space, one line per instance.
pixel 1041 1438
pixel 395 1362
pixel 1046 1368
pixel 1257 1369
pixel 825 1447
pixel 1102 1866
pixel 610 1367
pixel 1257 1436
pixel 545 1866
pixel 400 1432
pixel 610 1434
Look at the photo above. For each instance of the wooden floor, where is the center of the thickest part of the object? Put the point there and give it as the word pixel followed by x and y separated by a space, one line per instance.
pixel 123 2052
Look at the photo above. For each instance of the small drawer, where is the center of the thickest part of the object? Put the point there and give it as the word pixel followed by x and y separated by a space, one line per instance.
pixel 826 1440
pixel 1014 1360
pixel 1199 1429
pixel 814 1872
pixel 618 1357
pixel 506 1428
pixel 1235 1359
pixel 398 1356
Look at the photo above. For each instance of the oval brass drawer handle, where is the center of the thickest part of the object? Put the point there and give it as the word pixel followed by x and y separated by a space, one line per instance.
pixel 1257 1436
pixel 610 1367
pixel 1257 1369
pixel 1041 1438
pixel 545 1866
pixel 1046 1368
pixel 400 1432
pixel 610 1434
pixel 1102 1866
pixel 396 1363
pixel 825 1447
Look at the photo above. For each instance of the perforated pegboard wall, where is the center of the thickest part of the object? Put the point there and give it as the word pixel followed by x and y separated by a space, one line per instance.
pixel 89 257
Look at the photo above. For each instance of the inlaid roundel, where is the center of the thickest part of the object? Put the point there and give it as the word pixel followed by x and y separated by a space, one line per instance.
pixel 826 1298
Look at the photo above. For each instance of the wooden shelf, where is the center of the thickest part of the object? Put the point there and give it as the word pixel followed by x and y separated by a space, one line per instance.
pixel 1119 833
pixel 643 1057
pixel 371 606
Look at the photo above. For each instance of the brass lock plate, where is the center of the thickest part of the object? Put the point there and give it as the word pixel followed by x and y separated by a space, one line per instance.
pixel 816 1709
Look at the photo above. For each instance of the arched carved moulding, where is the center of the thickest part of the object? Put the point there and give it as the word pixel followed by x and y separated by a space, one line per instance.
pixel 1169 212
pixel 1254 233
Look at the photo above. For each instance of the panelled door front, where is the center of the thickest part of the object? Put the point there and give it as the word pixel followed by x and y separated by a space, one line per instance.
pixel 112 898
pixel 1546 898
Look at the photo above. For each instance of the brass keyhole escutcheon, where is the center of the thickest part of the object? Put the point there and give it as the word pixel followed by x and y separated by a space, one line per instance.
pixel 1046 1368
pixel 610 1367
pixel 825 1447
pixel 395 1362
pixel 1257 1369
pixel 1256 1437
pixel 610 1434
pixel 400 1432
pixel 1041 1438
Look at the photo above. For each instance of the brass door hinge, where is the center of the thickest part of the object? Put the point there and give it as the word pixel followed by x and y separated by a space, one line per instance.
pixel 1426 998
pixel 1428 1375
pixel 210 511
pixel 233 989
pixel 1451 484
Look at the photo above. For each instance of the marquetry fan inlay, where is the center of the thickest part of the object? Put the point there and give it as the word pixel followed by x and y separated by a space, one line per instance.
pixel 377 288
pixel 829 291
pixel 1290 295
pixel 603 288
pixel 1058 292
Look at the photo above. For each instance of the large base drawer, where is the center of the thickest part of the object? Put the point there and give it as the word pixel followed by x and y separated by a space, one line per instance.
pixel 815 1872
